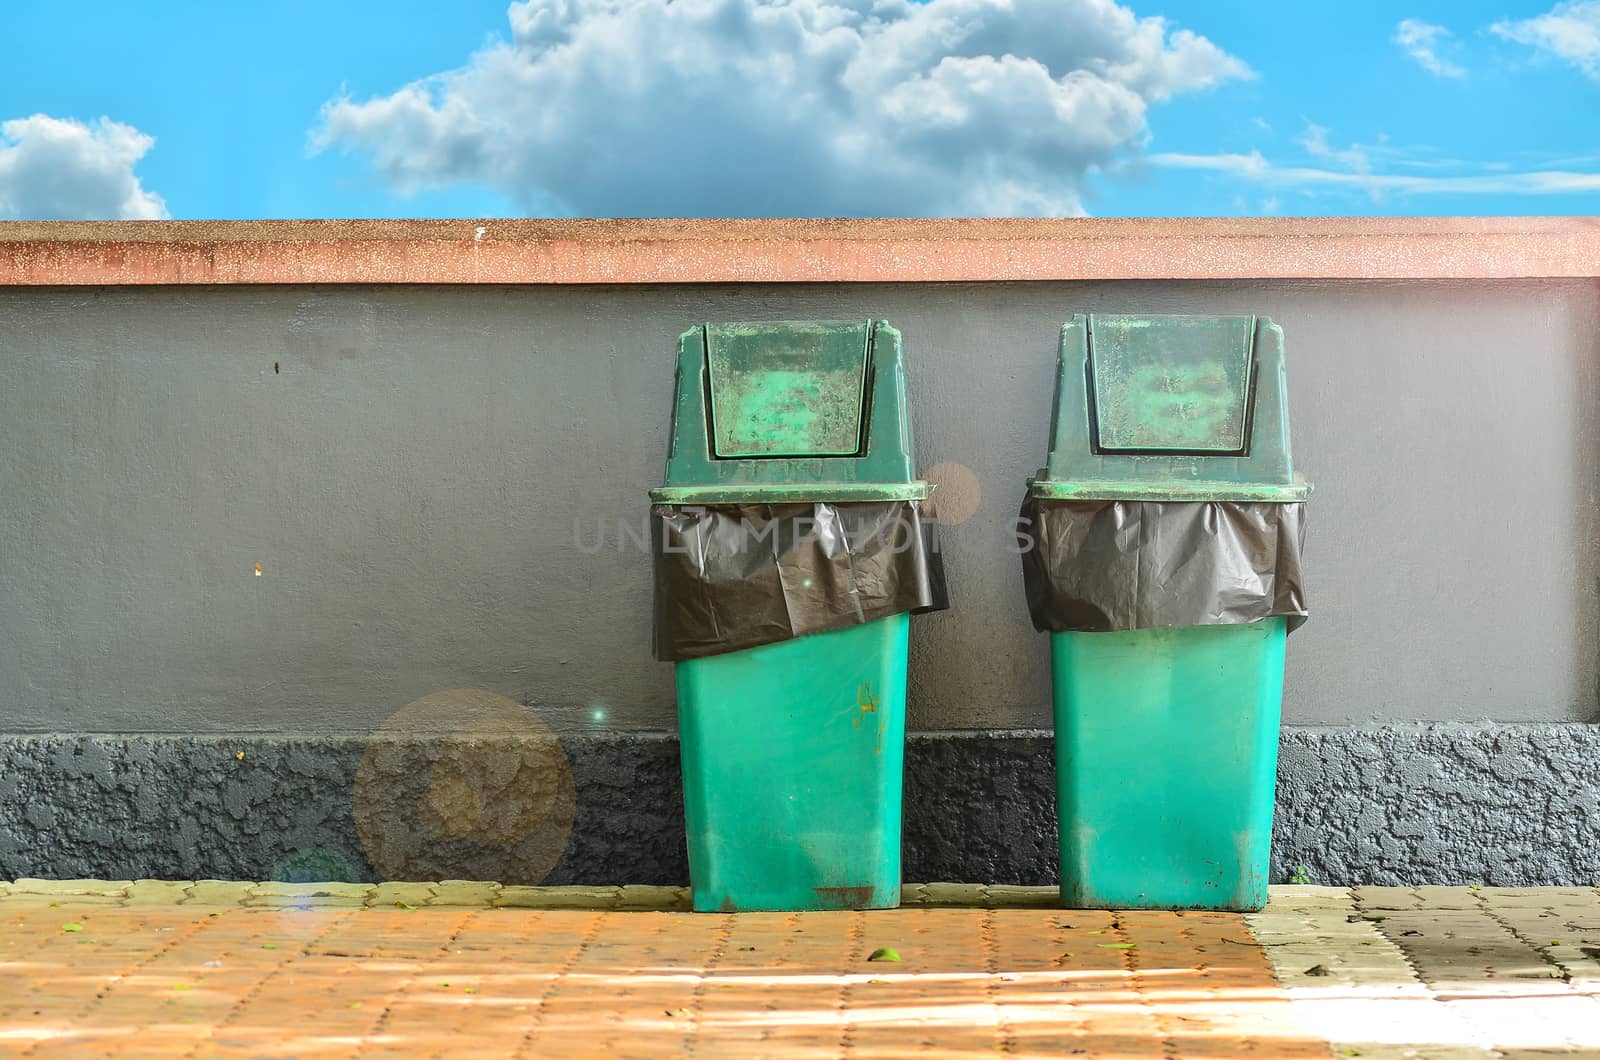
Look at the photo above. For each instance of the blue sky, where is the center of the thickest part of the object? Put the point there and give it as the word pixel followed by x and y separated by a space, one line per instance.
pixel 762 107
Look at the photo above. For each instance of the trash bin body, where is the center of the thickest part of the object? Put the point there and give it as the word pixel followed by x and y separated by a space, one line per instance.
pixel 1165 563
pixel 1166 759
pixel 789 558
pixel 792 764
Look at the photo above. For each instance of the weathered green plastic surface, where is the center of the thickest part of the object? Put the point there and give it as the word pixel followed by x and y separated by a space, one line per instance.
pixel 1166 762
pixel 757 419
pixel 1170 408
pixel 1175 384
pixel 793 755
pixel 790 390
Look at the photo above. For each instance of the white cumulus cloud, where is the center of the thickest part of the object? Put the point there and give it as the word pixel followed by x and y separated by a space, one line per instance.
pixel 1569 31
pixel 787 107
pixel 1422 40
pixel 61 169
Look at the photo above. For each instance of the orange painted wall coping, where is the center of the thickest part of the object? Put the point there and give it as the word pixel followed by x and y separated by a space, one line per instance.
pixel 793 251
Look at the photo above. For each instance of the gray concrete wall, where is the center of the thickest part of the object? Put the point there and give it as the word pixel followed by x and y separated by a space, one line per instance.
pixel 407 466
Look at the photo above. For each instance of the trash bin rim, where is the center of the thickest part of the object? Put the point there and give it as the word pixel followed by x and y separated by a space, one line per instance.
pixel 793 493
pixel 1174 492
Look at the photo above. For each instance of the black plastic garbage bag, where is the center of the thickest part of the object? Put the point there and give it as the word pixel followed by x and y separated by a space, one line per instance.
pixel 1102 565
pixel 735 576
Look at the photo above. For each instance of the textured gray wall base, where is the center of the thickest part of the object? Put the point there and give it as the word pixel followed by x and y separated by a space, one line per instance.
pixel 1449 804
pixel 323 808
pixel 1503 805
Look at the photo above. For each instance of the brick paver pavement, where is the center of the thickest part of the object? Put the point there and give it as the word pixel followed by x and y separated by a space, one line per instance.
pixel 462 968
pixel 117 969
pixel 1440 973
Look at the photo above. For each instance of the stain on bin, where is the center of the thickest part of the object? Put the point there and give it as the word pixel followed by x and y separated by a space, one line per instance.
pixel 844 897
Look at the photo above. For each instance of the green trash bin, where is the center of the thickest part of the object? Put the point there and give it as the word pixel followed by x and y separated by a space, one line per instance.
pixel 790 554
pixel 1161 551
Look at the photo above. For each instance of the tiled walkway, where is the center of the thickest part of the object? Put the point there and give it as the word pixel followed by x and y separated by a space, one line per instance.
pixel 1447 973
pixel 464 969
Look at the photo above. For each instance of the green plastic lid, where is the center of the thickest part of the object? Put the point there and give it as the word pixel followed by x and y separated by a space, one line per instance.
pixel 1170 384
pixel 1170 408
pixel 792 390
pixel 790 411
